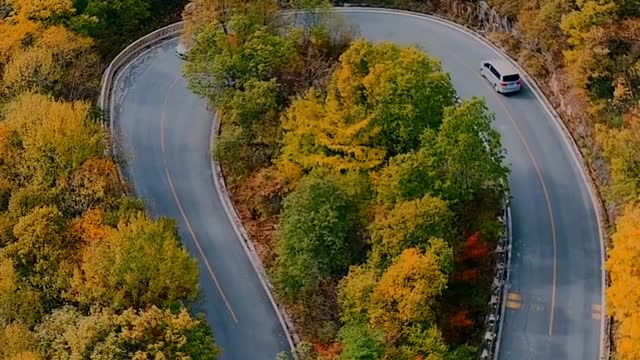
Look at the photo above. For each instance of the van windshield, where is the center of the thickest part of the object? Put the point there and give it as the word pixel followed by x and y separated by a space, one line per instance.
pixel 511 78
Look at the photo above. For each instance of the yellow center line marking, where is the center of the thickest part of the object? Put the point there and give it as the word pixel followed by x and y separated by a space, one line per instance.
pixel 544 190
pixel 549 209
pixel 514 296
pixel 596 316
pixel 182 212
pixel 596 307
pixel 513 304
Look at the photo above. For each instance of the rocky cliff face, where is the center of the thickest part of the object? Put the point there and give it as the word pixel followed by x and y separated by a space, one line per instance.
pixel 478 14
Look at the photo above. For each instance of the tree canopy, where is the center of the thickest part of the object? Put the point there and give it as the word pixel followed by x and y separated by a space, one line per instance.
pixel 370 112
pixel 350 159
pixel 144 334
pixel 141 264
pixel 410 224
pixel 317 235
pixel 73 283
pixel 400 303
pixel 623 295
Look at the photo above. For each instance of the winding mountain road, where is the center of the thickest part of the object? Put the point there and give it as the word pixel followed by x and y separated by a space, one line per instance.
pixel 555 293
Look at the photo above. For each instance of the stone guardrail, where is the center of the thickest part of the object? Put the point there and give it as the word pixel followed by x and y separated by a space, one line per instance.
pixel 121 60
pixel 124 57
pixel 499 288
pixel 232 213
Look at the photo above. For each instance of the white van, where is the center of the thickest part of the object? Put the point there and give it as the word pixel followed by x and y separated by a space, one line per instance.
pixel 502 75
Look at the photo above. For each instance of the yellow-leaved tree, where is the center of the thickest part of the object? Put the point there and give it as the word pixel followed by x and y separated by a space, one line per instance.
pixel 406 292
pixel 42 139
pixel 623 296
pixel 141 264
pixel 56 60
pixel 41 10
pixel 621 147
pixel 12 36
pixel 17 343
pixel 151 333
pixel 400 302
pixel 410 224
pixel 379 101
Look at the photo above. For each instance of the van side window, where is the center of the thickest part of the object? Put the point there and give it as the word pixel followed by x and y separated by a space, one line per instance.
pixel 495 72
pixel 487 65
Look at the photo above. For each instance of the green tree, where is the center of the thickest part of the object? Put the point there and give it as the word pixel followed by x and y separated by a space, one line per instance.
pixel 467 153
pixel 405 90
pixel 410 224
pixel 42 254
pixel 587 64
pixel 240 73
pixel 361 342
pixel 460 161
pixel 379 101
pixel 622 149
pixel 255 110
pixel 406 177
pixel 125 209
pixel 19 302
pixel 221 64
pixel 317 236
pixel 111 22
pixel 250 133
pixel 141 264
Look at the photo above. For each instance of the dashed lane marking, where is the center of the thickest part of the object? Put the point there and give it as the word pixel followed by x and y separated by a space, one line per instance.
pixel 513 304
pixel 181 209
pixel 596 311
pixel 514 296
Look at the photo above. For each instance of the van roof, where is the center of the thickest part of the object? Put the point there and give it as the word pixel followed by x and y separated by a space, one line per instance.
pixel 504 67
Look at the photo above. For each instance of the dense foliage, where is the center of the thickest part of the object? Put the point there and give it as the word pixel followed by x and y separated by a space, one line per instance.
pixel 586 56
pixel 84 273
pixel 372 193
pixel 623 295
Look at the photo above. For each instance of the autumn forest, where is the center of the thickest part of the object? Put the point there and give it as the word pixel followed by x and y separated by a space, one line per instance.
pixel 72 283
pixel 372 193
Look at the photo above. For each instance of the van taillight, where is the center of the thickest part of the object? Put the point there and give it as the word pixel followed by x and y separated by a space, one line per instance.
pixel 503 84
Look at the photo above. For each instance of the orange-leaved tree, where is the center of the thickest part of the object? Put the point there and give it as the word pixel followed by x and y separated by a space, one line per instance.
pixel 623 296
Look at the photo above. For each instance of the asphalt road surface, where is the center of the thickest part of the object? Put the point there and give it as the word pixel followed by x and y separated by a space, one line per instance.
pixel 555 294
